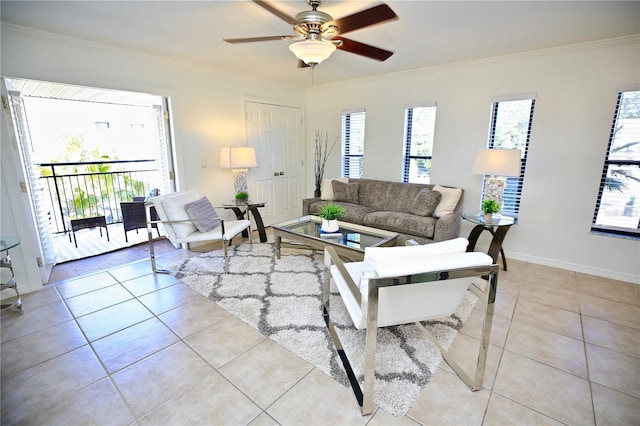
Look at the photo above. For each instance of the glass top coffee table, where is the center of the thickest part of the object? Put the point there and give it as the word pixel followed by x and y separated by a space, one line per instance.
pixel 353 239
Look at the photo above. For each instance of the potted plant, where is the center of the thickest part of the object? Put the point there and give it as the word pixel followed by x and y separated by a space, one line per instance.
pixel 489 207
pixel 242 197
pixel 330 213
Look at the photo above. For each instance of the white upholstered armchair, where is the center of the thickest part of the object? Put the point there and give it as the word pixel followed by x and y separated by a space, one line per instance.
pixel 189 218
pixel 400 285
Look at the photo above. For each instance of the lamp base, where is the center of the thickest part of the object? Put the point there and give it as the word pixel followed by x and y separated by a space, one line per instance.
pixel 493 189
pixel 240 180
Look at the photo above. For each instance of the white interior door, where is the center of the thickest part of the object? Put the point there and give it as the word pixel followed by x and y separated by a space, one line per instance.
pixel 276 132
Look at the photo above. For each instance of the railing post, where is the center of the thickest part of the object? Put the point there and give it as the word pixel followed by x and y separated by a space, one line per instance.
pixel 55 183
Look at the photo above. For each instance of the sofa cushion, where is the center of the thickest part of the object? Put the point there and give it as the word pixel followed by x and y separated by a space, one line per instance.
pixel 425 202
pixel 203 215
pixel 404 223
pixel 174 209
pixel 353 213
pixel 345 192
pixel 448 202
pixel 326 189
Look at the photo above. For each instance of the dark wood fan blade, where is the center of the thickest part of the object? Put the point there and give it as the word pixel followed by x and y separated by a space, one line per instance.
pixel 267 38
pixel 365 18
pixel 363 49
pixel 280 14
pixel 302 64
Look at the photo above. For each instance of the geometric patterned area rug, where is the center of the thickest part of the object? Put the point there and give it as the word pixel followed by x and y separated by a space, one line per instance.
pixel 281 298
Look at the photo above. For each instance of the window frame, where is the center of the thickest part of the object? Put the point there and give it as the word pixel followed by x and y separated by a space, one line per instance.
pixel 518 182
pixel 346 134
pixel 408 135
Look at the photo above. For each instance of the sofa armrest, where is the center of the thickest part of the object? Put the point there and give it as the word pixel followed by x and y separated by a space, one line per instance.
pixel 306 204
pixel 447 227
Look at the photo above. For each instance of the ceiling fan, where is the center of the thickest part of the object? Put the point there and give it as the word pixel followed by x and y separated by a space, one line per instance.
pixel 319 35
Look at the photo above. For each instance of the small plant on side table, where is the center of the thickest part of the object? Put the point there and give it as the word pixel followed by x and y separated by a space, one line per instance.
pixel 489 207
pixel 242 196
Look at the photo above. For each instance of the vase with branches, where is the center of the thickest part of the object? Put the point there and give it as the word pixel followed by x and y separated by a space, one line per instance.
pixel 323 150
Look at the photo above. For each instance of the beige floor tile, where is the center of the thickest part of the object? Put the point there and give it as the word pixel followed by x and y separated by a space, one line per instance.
pixel 505 305
pixel 98 404
pixel 606 288
pixel 99 299
pixel 215 346
pixel 317 399
pixel 499 326
pixel 14 325
pixel 140 341
pixel 614 370
pixel 549 318
pixel 131 271
pixel 48 294
pixel 78 286
pixel 555 393
pixel 47 384
pixel 149 283
pixel 446 400
pixel 614 408
pixel 169 298
pixel 465 352
pixel 503 411
pixel 210 401
pixel 608 310
pixel 382 418
pixel 548 293
pixel 153 381
pixel 264 420
pixel 612 336
pixel 547 347
pixel 193 317
pixel 266 372
pixel 35 348
pixel 559 277
pixel 113 319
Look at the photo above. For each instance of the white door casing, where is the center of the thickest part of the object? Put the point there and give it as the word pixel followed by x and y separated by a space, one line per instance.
pixel 277 134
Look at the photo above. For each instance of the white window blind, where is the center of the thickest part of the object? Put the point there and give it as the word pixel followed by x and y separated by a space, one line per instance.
pixel 617 207
pixel 510 128
pixel 420 123
pixel 352 143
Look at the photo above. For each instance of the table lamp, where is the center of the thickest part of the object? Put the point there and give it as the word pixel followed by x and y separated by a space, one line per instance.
pixel 239 159
pixel 496 164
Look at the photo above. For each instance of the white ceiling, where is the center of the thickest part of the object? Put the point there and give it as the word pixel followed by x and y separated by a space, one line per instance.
pixel 428 33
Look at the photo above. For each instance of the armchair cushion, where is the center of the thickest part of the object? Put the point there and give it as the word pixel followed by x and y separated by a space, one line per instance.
pixel 174 209
pixel 203 215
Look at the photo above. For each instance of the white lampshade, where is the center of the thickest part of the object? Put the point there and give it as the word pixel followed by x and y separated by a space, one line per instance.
pixel 498 162
pixel 238 157
pixel 312 51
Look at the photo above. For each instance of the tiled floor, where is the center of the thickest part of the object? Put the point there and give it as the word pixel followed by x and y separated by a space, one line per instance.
pixel 124 346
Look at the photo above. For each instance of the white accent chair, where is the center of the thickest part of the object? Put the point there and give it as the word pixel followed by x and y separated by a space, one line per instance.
pixel 401 285
pixel 180 228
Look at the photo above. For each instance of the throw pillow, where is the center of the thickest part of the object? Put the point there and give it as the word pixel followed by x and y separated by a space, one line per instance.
pixel 345 192
pixel 448 202
pixel 202 214
pixel 326 189
pixel 425 202
pixel 173 206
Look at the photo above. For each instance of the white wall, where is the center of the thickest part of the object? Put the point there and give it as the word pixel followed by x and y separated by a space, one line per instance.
pixel 207 105
pixel 576 91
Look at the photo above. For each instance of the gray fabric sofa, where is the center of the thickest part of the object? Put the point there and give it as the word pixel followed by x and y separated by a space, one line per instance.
pixel 396 206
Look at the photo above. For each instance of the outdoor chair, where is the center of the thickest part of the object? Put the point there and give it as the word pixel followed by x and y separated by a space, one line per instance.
pixel 189 218
pixel 403 285
pixel 134 216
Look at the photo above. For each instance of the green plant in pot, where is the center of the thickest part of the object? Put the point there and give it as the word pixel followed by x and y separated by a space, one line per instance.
pixel 330 213
pixel 489 207
pixel 242 196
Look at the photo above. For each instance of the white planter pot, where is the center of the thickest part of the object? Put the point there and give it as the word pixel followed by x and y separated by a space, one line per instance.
pixel 330 225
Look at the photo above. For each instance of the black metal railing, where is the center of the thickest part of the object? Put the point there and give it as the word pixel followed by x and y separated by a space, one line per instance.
pixel 94 188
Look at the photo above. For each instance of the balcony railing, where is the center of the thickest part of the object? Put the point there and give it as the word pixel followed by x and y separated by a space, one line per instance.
pixel 94 188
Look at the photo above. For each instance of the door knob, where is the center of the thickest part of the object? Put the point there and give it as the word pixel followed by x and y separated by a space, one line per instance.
pixel 276 173
pixel 281 173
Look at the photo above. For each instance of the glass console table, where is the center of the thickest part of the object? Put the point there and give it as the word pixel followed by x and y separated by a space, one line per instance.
pixel 498 226
pixel 8 278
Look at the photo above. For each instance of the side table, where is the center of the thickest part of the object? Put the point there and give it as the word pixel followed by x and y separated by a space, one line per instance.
pixel 240 208
pixel 89 222
pixel 6 270
pixel 498 227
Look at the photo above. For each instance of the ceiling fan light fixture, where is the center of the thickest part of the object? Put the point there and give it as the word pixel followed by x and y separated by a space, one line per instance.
pixel 312 51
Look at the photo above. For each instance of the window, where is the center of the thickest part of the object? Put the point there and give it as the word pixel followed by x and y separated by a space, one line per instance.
pixel 617 207
pixel 102 125
pixel 511 122
pixel 352 143
pixel 419 126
